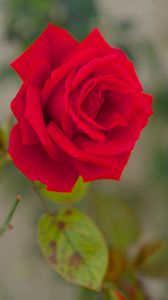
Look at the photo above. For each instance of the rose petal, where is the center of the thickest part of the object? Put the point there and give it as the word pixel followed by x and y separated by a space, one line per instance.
pixel 53 45
pixel 125 104
pixel 28 135
pixel 60 73
pixel 107 65
pixel 118 70
pixel 128 65
pixel 92 132
pixel 81 93
pixel 118 141
pixel 71 149
pixel 36 165
pixel 109 118
pixel 93 102
pixel 57 109
pixel 34 116
pixel 90 121
pixel 62 141
pixel 93 40
pixel 61 44
pixel 96 40
pixel 90 171
pixel 116 63
pixel 57 104
pixel 39 70
pixel 19 102
pixel 89 69
pixel 113 83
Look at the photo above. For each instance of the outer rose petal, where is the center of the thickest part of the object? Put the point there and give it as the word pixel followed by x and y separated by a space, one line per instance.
pixel 19 102
pixel 112 64
pixel 28 135
pixel 34 116
pixel 39 70
pixel 121 139
pixel 126 105
pixel 94 40
pixel 57 104
pixel 52 45
pixel 60 73
pixel 36 165
pixel 70 148
pixel 122 73
pixel 129 66
pixel 91 171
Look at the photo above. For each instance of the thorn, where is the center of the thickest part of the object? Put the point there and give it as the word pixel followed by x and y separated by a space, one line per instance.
pixel 18 198
pixel 10 226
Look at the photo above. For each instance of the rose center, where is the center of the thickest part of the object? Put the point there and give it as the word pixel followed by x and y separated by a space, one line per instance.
pixel 93 103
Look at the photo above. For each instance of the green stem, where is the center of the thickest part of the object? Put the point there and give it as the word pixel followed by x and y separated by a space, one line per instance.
pixel 7 221
pixel 42 200
pixel 5 159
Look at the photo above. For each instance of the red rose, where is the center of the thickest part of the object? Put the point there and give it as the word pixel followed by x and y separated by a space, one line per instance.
pixel 80 110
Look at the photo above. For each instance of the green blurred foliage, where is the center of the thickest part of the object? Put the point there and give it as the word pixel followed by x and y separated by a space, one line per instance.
pixel 28 18
pixel 161 101
pixel 116 218
pixel 152 260
pixel 161 164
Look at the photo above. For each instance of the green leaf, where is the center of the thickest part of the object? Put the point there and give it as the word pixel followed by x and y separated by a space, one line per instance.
pixel 117 219
pixel 74 247
pixel 152 260
pixel 78 192
pixel 89 295
pixel 2 141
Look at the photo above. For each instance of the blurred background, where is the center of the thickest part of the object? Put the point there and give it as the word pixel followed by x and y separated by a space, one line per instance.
pixel 141 29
